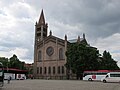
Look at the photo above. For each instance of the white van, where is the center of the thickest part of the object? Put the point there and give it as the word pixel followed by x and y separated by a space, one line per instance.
pixel 111 77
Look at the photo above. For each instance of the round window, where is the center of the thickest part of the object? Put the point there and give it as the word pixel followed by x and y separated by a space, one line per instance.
pixel 50 51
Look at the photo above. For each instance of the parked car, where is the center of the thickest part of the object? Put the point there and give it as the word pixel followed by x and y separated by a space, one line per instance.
pixel 111 77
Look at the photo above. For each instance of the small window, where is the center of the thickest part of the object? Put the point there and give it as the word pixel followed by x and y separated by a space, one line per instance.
pixel 61 53
pixel 37 70
pixel 39 56
pixel 53 70
pixel 49 70
pixel 114 75
pixel 107 76
pixel 63 70
pixel 58 69
pixel 40 70
pixel 45 70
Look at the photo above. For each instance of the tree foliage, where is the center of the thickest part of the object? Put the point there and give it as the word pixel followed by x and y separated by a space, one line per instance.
pixel 4 61
pixel 12 62
pixel 81 57
pixel 107 62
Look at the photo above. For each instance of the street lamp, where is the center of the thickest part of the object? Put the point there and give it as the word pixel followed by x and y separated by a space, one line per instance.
pixel 7 65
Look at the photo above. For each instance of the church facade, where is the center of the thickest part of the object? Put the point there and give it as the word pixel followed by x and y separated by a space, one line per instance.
pixel 49 52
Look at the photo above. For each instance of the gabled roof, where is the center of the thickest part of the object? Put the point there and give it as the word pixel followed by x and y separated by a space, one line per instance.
pixel 82 40
pixel 52 38
pixel 75 40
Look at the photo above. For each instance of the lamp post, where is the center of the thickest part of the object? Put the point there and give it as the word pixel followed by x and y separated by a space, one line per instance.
pixel 70 72
pixel 7 65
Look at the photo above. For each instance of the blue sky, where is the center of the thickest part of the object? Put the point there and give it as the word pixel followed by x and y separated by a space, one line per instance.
pixel 98 19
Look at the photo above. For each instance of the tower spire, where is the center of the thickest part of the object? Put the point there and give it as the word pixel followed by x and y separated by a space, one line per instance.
pixel 78 39
pixel 83 35
pixel 41 28
pixel 42 19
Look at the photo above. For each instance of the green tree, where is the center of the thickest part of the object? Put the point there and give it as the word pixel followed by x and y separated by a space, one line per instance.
pixel 4 61
pixel 14 62
pixel 81 57
pixel 108 62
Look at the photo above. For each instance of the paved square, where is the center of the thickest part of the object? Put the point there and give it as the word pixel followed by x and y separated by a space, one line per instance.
pixel 58 85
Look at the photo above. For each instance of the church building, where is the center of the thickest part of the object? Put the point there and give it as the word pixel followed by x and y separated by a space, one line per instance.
pixel 49 52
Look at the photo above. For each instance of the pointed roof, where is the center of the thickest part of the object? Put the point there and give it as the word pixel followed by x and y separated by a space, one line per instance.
pixel 78 40
pixel 42 19
pixel 65 37
pixel 83 35
pixel 50 32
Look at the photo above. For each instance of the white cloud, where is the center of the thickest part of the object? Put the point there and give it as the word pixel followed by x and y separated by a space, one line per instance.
pixel 20 10
pixel 17 30
pixel 20 52
pixel 110 44
pixel 72 31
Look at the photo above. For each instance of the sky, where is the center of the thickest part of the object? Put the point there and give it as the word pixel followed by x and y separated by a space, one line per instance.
pixel 98 19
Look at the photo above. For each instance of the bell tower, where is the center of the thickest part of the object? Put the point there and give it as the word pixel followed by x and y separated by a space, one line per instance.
pixel 41 28
pixel 40 34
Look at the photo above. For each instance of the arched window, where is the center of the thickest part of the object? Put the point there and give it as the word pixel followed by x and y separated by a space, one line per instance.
pixel 58 69
pixel 37 70
pixel 63 70
pixel 40 70
pixel 49 70
pixel 53 70
pixel 39 56
pixel 61 53
pixel 45 70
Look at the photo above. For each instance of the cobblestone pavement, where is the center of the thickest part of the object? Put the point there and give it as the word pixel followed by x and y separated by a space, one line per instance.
pixel 58 85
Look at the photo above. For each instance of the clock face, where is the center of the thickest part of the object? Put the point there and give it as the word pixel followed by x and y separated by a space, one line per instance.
pixel 49 51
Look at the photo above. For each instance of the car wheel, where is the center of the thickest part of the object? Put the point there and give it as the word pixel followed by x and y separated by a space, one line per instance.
pixel 104 81
pixel 89 79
